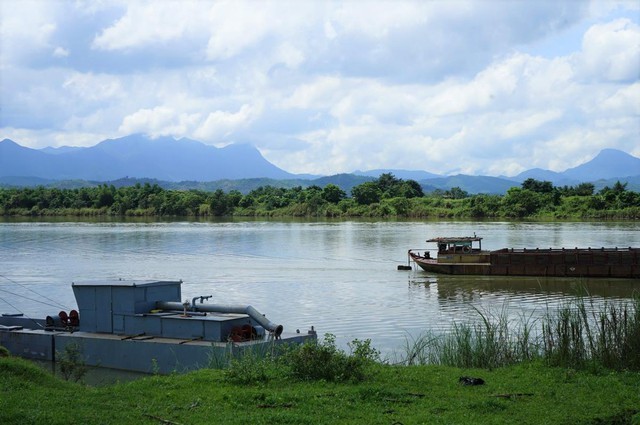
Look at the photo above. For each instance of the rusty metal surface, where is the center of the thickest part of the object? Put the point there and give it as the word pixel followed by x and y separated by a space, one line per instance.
pixel 606 262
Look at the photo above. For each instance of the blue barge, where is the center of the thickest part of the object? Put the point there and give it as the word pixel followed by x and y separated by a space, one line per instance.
pixel 145 326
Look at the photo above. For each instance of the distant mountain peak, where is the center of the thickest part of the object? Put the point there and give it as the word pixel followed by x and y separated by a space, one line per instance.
pixel 9 142
pixel 609 163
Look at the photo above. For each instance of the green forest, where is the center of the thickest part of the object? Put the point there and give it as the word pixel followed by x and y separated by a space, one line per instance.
pixel 387 196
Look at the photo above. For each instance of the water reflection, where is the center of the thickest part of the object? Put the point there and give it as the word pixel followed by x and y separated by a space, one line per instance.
pixel 452 286
pixel 469 299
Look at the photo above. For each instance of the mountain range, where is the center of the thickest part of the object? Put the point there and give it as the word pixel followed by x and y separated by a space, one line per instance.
pixel 188 163
pixel 138 156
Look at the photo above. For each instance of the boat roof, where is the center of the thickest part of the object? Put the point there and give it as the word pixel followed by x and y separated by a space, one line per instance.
pixel 122 282
pixel 455 239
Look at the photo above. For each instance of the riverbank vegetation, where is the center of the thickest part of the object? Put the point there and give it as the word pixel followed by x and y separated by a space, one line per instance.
pixel 525 394
pixel 387 196
pixel 578 335
pixel 582 367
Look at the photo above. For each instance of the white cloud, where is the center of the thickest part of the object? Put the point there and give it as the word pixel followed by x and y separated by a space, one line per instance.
pixel 528 123
pixel 319 93
pixel 625 101
pixel 26 27
pixel 377 19
pixel 93 87
pixel 151 23
pixel 60 52
pixel 289 55
pixel 236 26
pixel 219 125
pixel 611 51
pixel 159 121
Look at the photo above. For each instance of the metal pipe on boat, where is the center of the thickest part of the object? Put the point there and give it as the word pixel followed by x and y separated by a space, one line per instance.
pixel 233 309
pixel 202 299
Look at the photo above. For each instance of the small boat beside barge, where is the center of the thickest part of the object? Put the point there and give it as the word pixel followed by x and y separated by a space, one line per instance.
pixel 144 326
pixel 465 256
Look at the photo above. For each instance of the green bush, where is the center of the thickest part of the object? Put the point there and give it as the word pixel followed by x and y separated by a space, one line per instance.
pixel 312 361
pixel 250 368
pixel 71 363
pixel 324 361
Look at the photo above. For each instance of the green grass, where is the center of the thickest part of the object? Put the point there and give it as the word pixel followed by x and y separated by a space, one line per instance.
pixel 528 393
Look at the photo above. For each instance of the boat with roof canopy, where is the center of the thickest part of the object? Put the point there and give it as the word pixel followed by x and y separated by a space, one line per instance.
pixel 465 256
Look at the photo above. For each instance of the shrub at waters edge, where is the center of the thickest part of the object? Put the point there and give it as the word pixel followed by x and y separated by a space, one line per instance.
pixel 312 361
pixel 71 364
pixel 576 336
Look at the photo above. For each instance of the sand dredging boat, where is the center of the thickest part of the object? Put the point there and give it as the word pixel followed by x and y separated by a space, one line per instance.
pixel 145 326
pixel 465 256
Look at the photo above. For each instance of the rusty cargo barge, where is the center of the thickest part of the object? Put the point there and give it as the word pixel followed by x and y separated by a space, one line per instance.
pixel 465 256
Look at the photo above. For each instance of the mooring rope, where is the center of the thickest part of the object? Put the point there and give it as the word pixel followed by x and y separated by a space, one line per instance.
pixel 19 311
pixel 57 304
pixel 30 299
pixel 11 305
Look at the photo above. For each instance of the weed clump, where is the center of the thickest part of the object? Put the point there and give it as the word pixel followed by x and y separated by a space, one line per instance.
pixel 312 361
pixel 609 338
pixel 250 368
pixel 576 336
pixel 324 361
pixel 4 352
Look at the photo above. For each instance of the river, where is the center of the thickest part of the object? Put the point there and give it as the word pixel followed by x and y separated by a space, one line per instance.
pixel 339 276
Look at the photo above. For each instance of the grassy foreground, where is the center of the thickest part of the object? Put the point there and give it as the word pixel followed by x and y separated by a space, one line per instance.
pixel 527 393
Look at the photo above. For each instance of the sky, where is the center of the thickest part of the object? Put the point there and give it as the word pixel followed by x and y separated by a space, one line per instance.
pixel 491 87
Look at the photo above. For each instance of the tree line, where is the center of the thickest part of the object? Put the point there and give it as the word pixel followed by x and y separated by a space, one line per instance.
pixel 386 196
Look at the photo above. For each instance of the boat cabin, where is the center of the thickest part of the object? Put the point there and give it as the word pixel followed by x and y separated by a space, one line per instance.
pixel 457 245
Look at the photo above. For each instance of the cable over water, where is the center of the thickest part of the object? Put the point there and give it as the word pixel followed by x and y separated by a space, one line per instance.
pixel 55 303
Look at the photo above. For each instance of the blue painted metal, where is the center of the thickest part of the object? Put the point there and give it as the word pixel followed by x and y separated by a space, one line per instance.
pixel 121 327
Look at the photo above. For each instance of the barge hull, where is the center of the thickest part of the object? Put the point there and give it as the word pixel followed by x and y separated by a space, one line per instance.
pixel 138 354
pixel 605 263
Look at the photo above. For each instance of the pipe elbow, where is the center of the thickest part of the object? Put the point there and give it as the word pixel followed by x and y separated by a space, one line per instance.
pixel 278 331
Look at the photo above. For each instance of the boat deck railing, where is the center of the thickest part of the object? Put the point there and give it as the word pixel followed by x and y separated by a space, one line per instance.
pixel 561 250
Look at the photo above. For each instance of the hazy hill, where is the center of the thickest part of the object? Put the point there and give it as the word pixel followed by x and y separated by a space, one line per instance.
pixel 472 184
pixel 344 181
pixel 609 163
pixel 139 156
pixel 61 149
pixel 416 175
pixel 544 175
